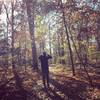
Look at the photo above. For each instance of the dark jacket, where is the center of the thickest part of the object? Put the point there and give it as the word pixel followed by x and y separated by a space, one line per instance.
pixel 44 61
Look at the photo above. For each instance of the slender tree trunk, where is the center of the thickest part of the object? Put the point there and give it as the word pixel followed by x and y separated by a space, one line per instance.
pixel 30 13
pixel 81 61
pixel 58 45
pixel 6 35
pixel 68 39
pixel 23 30
pixel 50 41
pixel 12 43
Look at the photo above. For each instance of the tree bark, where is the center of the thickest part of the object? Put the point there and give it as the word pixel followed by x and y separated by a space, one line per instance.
pixel 12 43
pixel 30 14
pixel 68 39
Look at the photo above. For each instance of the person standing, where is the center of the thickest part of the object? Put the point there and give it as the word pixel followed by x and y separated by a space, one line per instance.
pixel 45 68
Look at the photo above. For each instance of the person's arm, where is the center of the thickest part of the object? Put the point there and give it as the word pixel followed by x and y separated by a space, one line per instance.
pixel 49 57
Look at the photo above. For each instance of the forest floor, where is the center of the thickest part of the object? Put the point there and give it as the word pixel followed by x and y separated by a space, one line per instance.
pixel 63 86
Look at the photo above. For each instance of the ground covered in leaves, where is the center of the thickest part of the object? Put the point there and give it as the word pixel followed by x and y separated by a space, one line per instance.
pixel 27 85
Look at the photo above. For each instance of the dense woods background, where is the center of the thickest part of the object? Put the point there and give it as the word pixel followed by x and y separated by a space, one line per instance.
pixel 68 30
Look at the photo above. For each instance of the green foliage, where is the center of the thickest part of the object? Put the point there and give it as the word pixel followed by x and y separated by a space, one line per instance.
pixel 93 53
pixel 63 58
pixel 41 28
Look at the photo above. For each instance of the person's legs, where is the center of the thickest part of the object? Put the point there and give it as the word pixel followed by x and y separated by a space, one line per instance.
pixel 43 76
pixel 47 78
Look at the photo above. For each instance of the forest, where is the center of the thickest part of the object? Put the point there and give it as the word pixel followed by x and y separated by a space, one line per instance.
pixel 49 41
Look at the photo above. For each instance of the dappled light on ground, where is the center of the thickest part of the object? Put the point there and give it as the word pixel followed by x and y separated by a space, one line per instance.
pixel 63 86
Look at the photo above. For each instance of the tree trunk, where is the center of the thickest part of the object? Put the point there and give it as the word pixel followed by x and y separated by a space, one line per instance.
pixel 30 13
pixel 68 39
pixel 12 43
pixel 50 41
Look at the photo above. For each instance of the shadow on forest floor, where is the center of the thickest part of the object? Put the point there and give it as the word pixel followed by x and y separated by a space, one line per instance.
pixel 73 89
pixel 62 87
